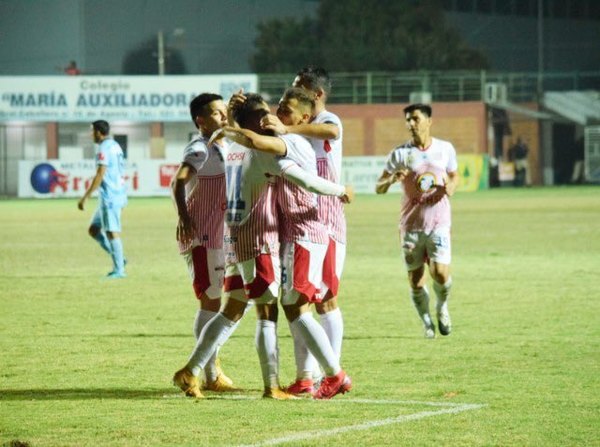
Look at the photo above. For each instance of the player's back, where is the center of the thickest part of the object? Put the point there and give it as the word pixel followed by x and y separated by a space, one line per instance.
pixel 329 166
pixel 299 215
pixel 250 192
pixel 112 188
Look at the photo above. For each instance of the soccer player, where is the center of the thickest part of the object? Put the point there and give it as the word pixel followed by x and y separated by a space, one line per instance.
pixel 427 169
pixel 305 241
pixel 325 133
pixel 199 192
pixel 251 246
pixel 105 226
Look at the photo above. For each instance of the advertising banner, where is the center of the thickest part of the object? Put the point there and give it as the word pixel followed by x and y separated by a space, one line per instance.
pixel 363 172
pixel 112 98
pixel 56 178
pixel 146 178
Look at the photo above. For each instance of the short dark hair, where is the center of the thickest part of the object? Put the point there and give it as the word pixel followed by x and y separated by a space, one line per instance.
pixel 243 112
pixel 101 126
pixel 425 109
pixel 199 103
pixel 315 78
pixel 301 95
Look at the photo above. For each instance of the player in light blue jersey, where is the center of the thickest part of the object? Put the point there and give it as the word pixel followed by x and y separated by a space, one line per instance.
pixel 105 226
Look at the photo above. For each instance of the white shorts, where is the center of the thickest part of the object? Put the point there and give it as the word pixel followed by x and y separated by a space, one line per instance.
pixel 419 247
pixel 301 271
pixel 333 266
pixel 206 267
pixel 255 279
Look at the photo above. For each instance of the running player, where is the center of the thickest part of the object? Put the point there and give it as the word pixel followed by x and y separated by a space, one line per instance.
pixel 105 226
pixel 199 192
pixel 427 168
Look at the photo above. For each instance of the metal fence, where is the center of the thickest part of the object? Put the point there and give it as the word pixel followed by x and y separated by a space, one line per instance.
pixel 446 86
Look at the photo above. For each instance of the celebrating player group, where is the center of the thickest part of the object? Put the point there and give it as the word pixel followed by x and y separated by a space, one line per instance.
pixel 261 223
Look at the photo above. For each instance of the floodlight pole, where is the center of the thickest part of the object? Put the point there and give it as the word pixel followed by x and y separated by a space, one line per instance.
pixel 540 30
pixel 161 53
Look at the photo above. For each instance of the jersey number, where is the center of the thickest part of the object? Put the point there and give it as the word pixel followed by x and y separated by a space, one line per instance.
pixel 234 199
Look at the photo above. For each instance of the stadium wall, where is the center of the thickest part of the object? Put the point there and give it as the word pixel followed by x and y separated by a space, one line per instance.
pixel 47 118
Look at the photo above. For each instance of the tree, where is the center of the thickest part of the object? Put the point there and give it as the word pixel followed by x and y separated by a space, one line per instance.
pixel 366 35
pixel 285 44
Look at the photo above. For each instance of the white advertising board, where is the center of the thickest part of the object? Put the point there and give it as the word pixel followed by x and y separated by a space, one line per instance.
pixel 57 178
pixel 112 98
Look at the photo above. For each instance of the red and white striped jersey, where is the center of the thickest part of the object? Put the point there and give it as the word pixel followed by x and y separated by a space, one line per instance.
pixel 297 207
pixel 251 218
pixel 205 195
pixel 329 166
pixel 427 168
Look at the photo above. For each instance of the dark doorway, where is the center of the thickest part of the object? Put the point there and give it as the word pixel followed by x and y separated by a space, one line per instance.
pixel 122 140
pixel 563 152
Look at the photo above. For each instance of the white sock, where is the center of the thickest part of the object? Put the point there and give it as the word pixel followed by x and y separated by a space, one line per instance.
pixel 420 298
pixel 333 323
pixel 214 333
pixel 306 363
pixel 268 352
pixel 317 342
pixel 203 317
pixel 442 293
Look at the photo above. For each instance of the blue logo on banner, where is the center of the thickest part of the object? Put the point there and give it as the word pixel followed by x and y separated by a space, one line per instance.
pixel 45 179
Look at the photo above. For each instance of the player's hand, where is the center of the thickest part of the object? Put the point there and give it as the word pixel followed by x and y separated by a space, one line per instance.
pixel 185 229
pixel 236 99
pixel 272 122
pixel 387 180
pixel 401 175
pixel 439 192
pixel 348 196
pixel 81 204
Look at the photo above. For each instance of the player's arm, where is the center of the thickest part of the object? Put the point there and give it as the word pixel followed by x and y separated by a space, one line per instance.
pixel 451 183
pixel 321 131
pixel 387 179
pixel 236 99
pixel 318 185
pixel 253 140
pixel 97 180
pixel 185 226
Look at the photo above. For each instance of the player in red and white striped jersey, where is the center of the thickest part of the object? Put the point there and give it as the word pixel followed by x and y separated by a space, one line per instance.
pixel 253 268
pixel 304 237
pixel 199 191
pixel 325 132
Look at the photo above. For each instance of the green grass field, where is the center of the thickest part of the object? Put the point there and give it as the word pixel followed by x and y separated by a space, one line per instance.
pixel 85 361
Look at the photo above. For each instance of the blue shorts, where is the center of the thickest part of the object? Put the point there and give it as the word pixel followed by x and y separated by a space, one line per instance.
pixel 108 216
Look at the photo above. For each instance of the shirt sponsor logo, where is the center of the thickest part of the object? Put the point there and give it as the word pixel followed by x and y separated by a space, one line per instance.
pixel 236 156
pixel 426 181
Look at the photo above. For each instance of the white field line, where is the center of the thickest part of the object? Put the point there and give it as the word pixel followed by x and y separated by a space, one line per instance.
pixel 303 436
pixel 327 402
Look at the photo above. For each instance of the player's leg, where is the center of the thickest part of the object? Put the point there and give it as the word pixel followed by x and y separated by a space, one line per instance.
pixel 111 222
pixel 296 302
pixel 302 274
pixel 328 310
pixel 95 231
pixel 336 380
pixel 413 247
pixel 214 332
pixel 261 277
pixel 206 268
pixel 439 247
